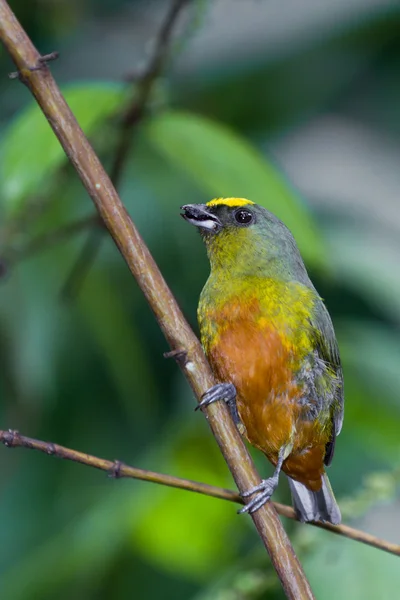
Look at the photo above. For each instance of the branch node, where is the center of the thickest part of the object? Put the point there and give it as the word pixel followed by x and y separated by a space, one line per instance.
pixel 179 355
pixel 115 471
pixel 41 63
pixel 8 437
pixel 51 449
pixel 13 438
pixel 49 57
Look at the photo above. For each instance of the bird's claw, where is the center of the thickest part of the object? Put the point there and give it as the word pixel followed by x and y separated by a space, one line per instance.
pixel 263 493
pixel 226 392
pixel 221 391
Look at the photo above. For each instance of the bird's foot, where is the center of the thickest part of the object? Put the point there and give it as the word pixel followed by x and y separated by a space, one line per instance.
pixel 263 493
pixel 222 391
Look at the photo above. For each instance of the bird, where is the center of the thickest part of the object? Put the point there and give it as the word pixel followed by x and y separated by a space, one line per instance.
pixel 273 351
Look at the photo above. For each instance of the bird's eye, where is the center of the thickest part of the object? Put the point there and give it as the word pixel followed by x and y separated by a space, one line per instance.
pixel 243 217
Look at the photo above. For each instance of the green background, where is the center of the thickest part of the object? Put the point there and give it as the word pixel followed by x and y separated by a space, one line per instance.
pixel 294 105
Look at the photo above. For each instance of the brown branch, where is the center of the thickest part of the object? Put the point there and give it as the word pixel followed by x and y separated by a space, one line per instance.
pixel 131 118
pixel 141 263
pixel 118 469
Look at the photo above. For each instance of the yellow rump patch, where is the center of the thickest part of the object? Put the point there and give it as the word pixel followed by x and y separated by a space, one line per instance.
pixel 231 202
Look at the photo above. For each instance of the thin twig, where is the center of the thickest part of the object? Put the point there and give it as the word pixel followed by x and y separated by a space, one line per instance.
pixel 46 240
pixel 118 469
pixel 141 97
pixel 56 236
pixel 83 263
pixel 129 121
pixel 165 308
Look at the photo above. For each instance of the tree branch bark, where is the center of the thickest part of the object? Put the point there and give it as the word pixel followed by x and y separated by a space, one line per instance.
pixel 171 320
pixel 118 469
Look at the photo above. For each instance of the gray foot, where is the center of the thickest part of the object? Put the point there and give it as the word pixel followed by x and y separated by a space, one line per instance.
pixel 225 392
pixel 263 493
pixel 266 488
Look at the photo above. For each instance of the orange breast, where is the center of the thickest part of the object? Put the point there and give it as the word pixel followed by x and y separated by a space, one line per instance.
pixel 256 359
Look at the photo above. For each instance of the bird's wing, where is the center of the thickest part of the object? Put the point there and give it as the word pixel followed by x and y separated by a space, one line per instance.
pixel 326 346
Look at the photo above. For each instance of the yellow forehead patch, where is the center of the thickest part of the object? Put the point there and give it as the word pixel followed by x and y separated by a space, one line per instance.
pixel 231 202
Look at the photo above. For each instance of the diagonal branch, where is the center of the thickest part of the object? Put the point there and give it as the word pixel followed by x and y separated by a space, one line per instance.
pixel 117 469
pixel 132 117
pixel 167 312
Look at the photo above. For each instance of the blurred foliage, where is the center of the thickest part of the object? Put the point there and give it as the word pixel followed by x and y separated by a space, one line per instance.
pixel 89 373
pixel 26 167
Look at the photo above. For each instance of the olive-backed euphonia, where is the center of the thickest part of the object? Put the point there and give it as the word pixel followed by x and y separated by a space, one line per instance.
pixel 272 347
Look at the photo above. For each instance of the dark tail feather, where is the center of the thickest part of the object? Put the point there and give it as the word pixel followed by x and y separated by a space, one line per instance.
pixel 315 506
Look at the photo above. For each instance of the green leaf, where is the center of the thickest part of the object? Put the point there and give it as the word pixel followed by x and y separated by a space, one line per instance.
pixel 367 261
pixel 224 164
pixel 88 543
pixel 124 355
pixel 172 538
pixel 373 352
pixel 375 429
pixel 170 534
pixel 345 569
pixel 30 152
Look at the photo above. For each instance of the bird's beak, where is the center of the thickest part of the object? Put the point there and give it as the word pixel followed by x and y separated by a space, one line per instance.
pixel 201 216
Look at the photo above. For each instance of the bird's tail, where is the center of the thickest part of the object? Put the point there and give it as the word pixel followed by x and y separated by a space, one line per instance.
pixel 315 506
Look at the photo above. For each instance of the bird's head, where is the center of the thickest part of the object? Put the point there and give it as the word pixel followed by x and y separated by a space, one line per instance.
pixel 245 239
